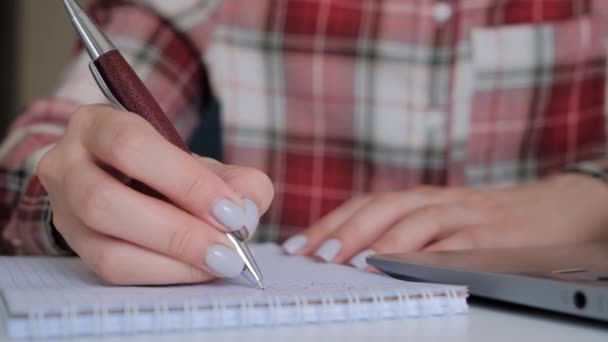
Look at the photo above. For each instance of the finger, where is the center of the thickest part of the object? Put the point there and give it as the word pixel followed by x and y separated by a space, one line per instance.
pixel 454 242
pixel 372 220
pixel 111 208
pixel 121 263
pixel 306 242
pixel 420 228
pixel 246 181
pixel 129 144
pixel 480 236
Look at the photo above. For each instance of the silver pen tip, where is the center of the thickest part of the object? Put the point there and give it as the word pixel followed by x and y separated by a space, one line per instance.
pixel 251 271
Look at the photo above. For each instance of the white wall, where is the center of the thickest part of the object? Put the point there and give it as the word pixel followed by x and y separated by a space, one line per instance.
pixel 45 40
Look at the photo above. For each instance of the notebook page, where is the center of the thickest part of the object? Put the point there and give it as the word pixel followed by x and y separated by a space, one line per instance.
pixel 52 284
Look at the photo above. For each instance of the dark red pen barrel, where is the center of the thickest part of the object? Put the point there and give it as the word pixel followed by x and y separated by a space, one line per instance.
pixel 129 89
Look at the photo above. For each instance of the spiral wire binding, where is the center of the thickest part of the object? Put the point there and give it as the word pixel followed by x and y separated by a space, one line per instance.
pixel 305 304
pixel 245 312
pixel 297 307
pixel 324 315
pixel 433 307
pixel 34 322
pixel 399 303
pixel 189 311
pixel 274 312
pixel 378 304
pixel 429 303
pixel 223 311
pixel 102 314
pixel 68 320
pixel 131 312
pixel 350 300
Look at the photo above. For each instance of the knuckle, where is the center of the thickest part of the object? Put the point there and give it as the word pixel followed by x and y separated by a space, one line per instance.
pixel 386 244
pixel 353 228
pixel 109 267
pixel 236 172
pixel 193 274
pixel 93 204
pixel 479 199
pixel 126 141
pixel 264 185
pixel 179 242
pixel 262 180
pixel 432 211
pixel 474 238
pixel 81 116
pixel 193 187
pixel 46 168
pixel 196 275
pixel 396 197
pixel 85 115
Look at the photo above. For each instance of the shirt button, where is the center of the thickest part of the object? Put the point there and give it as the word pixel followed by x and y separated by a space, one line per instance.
pixel 442 12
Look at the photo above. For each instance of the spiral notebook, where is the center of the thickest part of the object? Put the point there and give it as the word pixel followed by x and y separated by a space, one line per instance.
pixel 60 297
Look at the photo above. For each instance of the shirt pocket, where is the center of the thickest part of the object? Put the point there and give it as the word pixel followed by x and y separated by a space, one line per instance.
pixel 537 99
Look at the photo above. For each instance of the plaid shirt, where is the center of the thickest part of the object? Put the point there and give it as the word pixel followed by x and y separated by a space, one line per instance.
pixel 334 98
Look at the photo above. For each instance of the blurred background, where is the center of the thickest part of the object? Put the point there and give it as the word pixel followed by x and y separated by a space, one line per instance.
pixel 37 39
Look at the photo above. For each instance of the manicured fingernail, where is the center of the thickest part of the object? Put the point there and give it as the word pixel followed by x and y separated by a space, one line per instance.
pixel 229 214
pixel 294 244
pixel 252 216
pixel 329 249
pixel 224 261
pixel 359 260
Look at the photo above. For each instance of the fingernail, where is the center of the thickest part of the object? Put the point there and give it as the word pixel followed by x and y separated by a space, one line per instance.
pixel 294 244
pixel 224 261
pixel 229 214
pixel 252 216
pixel 359 261
pixel 329 249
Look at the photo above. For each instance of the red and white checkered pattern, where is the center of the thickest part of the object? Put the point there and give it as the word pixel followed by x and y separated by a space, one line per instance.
pixel 334 98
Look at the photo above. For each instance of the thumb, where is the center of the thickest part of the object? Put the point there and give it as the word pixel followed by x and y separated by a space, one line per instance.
pixel 249 182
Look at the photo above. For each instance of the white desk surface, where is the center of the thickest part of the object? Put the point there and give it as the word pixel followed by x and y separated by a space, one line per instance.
pixel 484 322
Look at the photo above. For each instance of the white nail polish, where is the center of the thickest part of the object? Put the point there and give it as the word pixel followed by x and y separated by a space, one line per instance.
pixel 224 261
pixel 294 244
pixel 229 214
pixel 252 216
pixel 359 261
pixel 329 250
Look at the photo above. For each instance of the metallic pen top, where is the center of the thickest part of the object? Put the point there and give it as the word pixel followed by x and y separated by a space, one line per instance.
pixel 94 40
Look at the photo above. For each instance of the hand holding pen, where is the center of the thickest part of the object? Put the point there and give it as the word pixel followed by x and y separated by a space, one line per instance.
pixel 180 218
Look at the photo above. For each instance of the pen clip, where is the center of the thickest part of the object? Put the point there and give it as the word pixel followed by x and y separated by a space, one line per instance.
pixel 103 86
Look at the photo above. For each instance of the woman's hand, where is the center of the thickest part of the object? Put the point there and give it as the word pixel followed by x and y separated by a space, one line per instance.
pixel 567 208
pixel 128 237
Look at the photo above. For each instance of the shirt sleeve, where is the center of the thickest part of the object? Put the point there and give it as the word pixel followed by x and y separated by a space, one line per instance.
pixel 597 169
pixel 166 58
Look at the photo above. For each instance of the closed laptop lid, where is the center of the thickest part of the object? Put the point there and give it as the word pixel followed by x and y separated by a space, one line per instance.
pixel 570 279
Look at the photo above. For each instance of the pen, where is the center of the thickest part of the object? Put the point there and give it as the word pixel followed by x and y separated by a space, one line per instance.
pixel 121 85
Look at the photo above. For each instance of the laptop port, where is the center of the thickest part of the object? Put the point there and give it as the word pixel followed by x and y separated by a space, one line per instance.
pixel 580 300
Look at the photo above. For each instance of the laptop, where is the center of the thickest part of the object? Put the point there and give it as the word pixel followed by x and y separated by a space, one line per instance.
pixel 567 279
